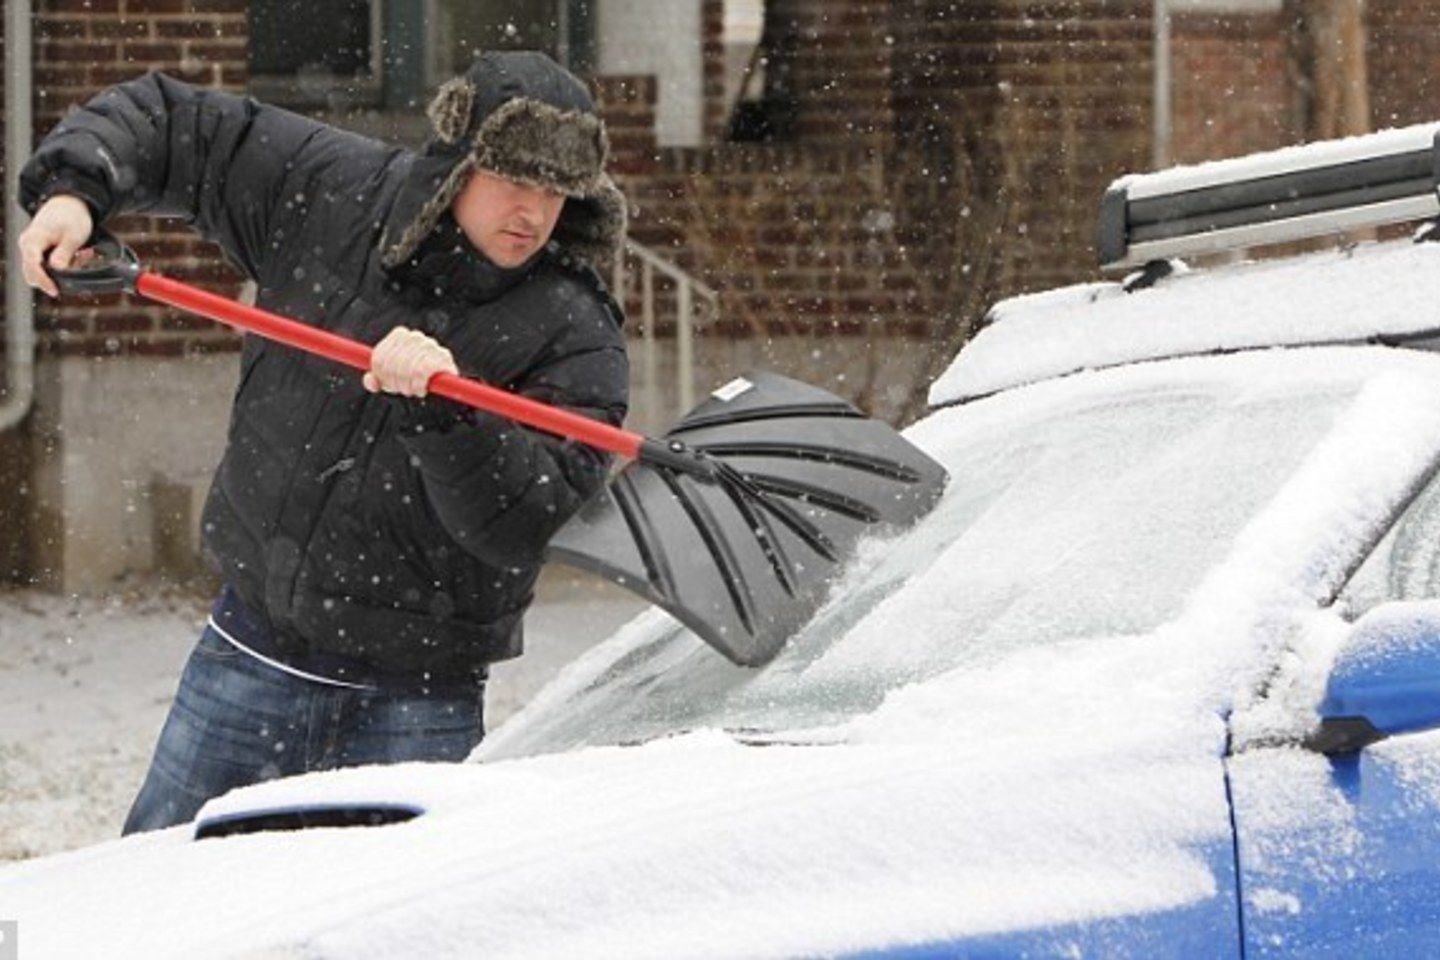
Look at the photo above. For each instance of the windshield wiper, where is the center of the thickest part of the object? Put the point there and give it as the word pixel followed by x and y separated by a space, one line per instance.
pixel 756 737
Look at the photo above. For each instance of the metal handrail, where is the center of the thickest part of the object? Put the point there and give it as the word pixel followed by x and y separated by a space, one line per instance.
pixel 686 289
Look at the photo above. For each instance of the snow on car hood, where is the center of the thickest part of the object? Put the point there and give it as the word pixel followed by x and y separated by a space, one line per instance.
pixel 1334 296
pixel 670 849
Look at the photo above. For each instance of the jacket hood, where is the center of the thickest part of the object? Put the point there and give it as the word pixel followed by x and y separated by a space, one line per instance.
pixel 522 116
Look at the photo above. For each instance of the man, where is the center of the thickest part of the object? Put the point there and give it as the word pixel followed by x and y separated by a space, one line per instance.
pixel 377 547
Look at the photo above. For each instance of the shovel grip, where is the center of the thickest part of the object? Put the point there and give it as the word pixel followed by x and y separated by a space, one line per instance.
pixel 352 353
pixel 112 268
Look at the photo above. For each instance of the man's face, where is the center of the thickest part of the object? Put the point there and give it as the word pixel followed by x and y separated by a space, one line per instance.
pixel 508 222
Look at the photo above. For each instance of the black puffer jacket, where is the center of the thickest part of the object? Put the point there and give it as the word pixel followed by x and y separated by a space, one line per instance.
pixel 399 538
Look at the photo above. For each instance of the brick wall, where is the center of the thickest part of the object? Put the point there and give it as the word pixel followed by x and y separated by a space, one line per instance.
pixel 905 118
pixel 1404 60
pixel 628 105
pixel 798 241
pixel 831 66
pixel 775 228
pixel 1036 105
pixel 83 46
pixel 915 140
pixel 1232 95
pixel 715 111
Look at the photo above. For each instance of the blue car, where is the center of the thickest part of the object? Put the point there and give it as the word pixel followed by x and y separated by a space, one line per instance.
pixel 1158 677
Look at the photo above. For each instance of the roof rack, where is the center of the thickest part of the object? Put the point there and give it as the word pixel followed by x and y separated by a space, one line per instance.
pixel 1276 197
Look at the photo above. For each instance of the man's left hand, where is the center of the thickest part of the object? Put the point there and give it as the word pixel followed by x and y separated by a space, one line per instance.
pixel 404 362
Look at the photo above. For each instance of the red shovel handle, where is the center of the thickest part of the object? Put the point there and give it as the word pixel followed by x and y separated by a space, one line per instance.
pixel 352 353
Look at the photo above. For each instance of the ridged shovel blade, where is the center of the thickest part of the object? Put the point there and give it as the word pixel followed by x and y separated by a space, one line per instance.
pixel 747 561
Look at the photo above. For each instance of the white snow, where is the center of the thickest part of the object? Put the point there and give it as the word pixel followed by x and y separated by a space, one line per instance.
pixel 1271 163
pixel 1332 296
pixel 590 856
pixel 1270 900
pixel 1298 821
pixel 1329 153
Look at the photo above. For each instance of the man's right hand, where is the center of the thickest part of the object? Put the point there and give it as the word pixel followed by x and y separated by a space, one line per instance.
pixel 60 228
pixel 404 361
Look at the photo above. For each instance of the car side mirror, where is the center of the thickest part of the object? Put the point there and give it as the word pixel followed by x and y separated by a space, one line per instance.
pixel 1386 679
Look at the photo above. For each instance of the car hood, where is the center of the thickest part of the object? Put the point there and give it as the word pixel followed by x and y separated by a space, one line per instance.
pixel 695 846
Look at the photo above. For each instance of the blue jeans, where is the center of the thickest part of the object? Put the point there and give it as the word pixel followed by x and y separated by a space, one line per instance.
pixel 237 720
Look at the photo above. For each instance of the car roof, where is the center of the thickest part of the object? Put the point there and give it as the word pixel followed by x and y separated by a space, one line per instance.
pixel 1359 292
pixel 1368 293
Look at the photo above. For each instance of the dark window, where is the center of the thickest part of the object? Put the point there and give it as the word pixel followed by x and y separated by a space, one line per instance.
pixel 320 53
pixel 392 53
pixel 464 28
pixel 341 49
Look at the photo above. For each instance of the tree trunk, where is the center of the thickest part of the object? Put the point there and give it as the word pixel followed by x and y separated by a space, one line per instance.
pixel 1327 68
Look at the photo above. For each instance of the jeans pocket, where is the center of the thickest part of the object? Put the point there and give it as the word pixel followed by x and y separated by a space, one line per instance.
pixel 394 728
pixel 215 647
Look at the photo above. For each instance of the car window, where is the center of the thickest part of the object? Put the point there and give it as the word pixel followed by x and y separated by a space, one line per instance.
pixel 1405 564
pixel 1064 520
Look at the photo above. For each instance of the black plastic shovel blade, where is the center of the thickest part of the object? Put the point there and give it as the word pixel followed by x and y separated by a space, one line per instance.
pixel 747 560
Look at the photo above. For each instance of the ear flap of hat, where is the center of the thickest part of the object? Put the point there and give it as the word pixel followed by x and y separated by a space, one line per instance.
pixel 449 111
pixel 592 227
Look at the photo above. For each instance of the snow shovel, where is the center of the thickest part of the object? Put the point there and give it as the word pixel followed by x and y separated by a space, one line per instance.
pixel 735 522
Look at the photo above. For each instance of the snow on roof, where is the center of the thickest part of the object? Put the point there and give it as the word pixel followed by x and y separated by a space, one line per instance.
pixel 1328 297
pixel 1327 153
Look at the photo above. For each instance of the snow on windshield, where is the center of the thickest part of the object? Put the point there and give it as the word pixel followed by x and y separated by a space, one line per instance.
pixel 1326 297
pixel 1092 507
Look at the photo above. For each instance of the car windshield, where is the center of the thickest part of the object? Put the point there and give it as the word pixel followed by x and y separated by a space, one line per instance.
pixel 1072 512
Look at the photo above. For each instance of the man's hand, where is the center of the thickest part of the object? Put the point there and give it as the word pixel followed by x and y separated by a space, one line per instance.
pixel 61 226
pixel 405 361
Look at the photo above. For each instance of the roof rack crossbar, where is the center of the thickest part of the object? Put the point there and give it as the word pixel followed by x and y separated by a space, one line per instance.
pixel 1290 208
pixel 1277 197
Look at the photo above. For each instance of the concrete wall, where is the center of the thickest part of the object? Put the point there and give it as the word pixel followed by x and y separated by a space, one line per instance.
pixel 122 450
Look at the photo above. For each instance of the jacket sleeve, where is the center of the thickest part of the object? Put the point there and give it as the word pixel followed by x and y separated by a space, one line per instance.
pixel 502 490
pixel 157 146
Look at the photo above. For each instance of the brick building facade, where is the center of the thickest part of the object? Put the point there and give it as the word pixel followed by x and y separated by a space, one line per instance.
pixel 104 475
pixel 82 46
pixel 919 158
pixel 1231 93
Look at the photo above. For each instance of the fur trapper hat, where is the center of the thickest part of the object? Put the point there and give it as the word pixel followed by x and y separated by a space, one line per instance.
pixel 523 117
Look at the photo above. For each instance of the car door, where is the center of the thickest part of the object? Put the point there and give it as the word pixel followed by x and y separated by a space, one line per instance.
pixel 1339 849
